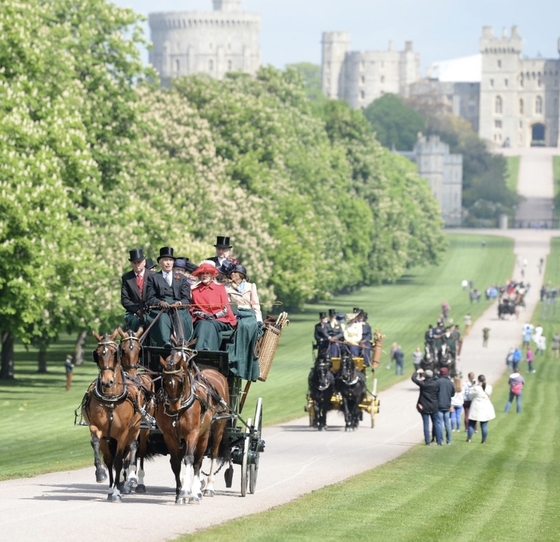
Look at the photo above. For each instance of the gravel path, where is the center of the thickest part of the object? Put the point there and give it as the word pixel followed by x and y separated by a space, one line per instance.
pixel 69 506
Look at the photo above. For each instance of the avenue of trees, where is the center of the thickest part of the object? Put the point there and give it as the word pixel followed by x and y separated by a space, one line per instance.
pixel 97 159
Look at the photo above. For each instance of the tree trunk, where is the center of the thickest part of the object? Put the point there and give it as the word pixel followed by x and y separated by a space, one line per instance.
pixel 7 366
pixel 42 360
pixel 79 348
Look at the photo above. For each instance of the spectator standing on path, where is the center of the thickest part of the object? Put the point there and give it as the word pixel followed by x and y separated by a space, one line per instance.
pixel 529 360
pixel 509 358
pixel 516 383
pixel 467 320
pixel 482 409
pixel 457 404
pixel 469 384
pixel 485 336
pixel 417 358
pixel 428 404
pixel 445 308
pixel 446 391
pixel 556 345
pixel 541 345
pixel 398 356
pixel 527 334
pixel 537 334
pixel 517 355
pixel 69 367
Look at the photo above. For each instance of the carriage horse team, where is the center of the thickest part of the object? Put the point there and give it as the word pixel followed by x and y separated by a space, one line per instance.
pixel 343 349
pixel 153 383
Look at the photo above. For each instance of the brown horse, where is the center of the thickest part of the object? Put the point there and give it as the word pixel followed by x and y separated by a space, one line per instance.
pixel 192 411
pixel 129 351
pixel 111 410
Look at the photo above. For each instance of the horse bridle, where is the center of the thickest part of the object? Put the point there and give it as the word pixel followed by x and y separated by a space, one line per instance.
pixel 131 338
pixel 105 344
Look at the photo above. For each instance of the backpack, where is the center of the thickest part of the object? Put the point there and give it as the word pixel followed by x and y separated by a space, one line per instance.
pixel 516 388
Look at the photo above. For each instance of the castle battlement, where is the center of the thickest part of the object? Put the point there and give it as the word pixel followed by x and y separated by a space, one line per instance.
pixel 504 44
pixel 212 42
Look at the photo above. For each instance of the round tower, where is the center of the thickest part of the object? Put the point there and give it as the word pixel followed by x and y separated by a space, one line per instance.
pixel 335 47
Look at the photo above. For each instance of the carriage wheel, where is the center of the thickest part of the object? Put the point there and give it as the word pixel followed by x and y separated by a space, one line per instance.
pixel 245 462
pixel 372 414
pixel 254 466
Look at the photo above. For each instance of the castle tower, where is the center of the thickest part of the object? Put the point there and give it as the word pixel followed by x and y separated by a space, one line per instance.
pixel 499 86
pixel 335 47
pixel 211 42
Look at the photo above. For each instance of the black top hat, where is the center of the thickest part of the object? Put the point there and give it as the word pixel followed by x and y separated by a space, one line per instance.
pixel 150 263
pixel 322 315
pixel 165 252
pixel 332 312
pixel 356 309
pixel 222 242
pixel 136 255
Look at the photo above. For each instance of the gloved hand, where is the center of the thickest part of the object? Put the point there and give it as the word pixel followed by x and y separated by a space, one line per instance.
pixel 163 305
pixel 203 315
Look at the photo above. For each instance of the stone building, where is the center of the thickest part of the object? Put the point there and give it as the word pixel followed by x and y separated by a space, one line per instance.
pixel 518 96
pixel 444 173
pixel 213 42
pixel 361 77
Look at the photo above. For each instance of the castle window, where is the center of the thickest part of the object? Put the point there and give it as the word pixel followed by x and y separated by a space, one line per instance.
pixel 538 105
pixel 363 80
pixel 498 105
pixel 506 82
pixel 497 124
pixel 383 79
pixel 229 65
pixel 177 66
pixel 539 80
pixel 211 65
pixel 491 82
pixel 520 124
pixel 499 63
pixel 362 95
pixel 521 107
pixel 521 80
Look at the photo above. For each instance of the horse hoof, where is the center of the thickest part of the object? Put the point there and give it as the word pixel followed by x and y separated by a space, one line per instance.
pixel 126 490
pixel 194 500
pixel 114 498
pixel 141 488
pixel 180 500
pixel 208 493
pixel 100 476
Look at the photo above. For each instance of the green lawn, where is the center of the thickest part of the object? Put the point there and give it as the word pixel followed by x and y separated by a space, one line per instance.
pixel 37 409
pixel 506 490
pixel 512 172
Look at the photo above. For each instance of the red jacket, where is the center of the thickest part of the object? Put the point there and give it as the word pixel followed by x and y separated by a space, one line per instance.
pixel 212 298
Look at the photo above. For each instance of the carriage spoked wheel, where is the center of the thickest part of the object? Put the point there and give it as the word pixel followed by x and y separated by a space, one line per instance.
pixel 245 461
pixel 257 433
pixel 372 413
pixel 311 411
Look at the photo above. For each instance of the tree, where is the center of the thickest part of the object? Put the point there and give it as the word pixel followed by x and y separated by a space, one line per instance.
pixel 395 124
pixel 311 75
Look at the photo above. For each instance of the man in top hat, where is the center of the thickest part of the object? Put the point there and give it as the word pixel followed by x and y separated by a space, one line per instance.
pixel 321 333
pixel 186 267
pixel 133 290
pixel 223 248
pixel 169 290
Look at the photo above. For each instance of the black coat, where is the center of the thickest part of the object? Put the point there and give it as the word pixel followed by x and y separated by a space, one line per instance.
pixel 321 334
pixel 130 296
pixel 335 331
pixel 158 290
pixel 428 398
pixel 446 390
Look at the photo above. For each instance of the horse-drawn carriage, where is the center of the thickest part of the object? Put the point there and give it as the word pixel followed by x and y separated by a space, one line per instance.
pixel 442 351
pixel 173 400
pixel 340 383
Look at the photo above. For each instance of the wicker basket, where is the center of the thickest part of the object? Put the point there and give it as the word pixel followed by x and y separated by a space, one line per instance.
pixel 267 349
pixel 377 349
